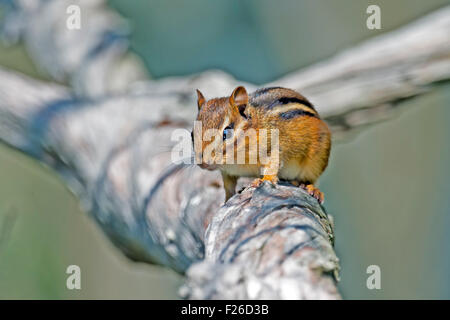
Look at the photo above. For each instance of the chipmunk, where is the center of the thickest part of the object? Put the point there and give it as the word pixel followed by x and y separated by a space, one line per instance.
pixel 299 156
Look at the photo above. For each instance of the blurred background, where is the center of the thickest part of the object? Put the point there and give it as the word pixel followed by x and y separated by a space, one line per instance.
pixel 387 187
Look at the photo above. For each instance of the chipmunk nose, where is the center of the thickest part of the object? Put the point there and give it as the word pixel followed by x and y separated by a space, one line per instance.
pixel 208 166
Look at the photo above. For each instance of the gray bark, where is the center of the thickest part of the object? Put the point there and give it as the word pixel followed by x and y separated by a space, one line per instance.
pixel 111 143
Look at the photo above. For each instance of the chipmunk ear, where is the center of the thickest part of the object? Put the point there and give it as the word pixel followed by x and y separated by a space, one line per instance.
pixel 200 99
pixel 239 99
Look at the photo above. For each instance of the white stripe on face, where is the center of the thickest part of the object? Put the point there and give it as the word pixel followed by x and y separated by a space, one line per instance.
pixel 216 145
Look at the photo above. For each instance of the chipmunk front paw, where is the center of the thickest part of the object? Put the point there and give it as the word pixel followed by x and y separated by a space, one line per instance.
pixel 257 182
pixel 313 191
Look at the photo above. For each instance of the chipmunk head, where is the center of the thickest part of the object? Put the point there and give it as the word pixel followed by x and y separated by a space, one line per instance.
pixel 214 132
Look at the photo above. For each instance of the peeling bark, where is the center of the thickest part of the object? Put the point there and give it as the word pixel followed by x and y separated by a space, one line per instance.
pixel 111 143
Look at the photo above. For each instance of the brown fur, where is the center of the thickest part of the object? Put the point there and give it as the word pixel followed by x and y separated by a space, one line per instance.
pixel 304 139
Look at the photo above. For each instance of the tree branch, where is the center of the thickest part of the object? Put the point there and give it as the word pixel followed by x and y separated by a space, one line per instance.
pixel 364 84
pixel 113 148
pixel 268 243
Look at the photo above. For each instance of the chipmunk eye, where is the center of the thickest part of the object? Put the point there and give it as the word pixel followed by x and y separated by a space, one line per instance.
pixel 227 133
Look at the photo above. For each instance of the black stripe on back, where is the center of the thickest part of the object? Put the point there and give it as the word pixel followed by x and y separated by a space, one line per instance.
pixel 262 91
pixel 295 113
pixel 286 100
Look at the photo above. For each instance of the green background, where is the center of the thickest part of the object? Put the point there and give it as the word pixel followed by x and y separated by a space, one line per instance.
pixel 387 187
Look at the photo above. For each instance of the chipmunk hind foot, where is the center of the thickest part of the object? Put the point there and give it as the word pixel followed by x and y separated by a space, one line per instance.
pixel 313 191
